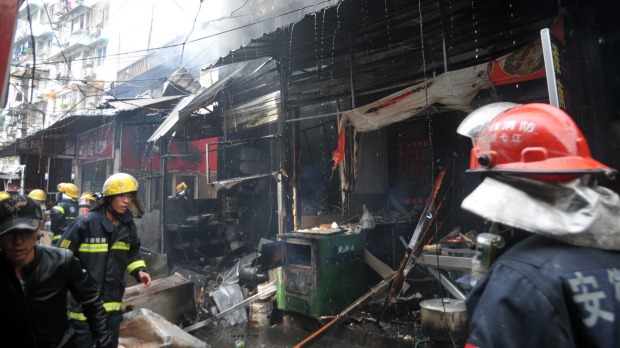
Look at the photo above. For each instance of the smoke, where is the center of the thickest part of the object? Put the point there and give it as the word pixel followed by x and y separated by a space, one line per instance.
pixel 209 29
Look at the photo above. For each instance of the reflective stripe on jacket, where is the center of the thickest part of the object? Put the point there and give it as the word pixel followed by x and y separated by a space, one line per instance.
pixel 62 215
pixel 106 251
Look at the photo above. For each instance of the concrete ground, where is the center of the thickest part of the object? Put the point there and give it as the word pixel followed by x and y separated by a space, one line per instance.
pixel 359 330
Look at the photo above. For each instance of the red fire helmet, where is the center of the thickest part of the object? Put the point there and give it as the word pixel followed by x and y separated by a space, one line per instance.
pixel 537 140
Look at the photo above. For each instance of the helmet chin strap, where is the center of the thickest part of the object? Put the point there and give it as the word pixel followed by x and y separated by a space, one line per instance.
pixel 116 215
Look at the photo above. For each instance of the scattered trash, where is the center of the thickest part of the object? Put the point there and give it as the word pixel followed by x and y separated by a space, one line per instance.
pixel 146 329
pixel 227 296
pixel 367 221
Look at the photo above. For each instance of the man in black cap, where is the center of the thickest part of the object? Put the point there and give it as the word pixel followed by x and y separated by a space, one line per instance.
pixel 34 280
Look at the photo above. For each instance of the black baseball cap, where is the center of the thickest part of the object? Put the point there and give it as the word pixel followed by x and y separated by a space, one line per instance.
pixel 19 212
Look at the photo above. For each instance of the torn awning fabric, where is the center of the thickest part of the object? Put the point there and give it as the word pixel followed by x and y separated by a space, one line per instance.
pixel 454 89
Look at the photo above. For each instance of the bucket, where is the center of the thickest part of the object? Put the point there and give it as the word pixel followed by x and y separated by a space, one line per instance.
pixel 260 313
pixel 444 319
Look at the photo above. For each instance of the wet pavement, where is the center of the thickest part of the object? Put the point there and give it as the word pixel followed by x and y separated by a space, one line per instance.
pixel 360 330
pixel 280 335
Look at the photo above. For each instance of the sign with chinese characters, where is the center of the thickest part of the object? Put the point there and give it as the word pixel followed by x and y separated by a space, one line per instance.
pixel 96 144
pixel 556 64
pixel 41 145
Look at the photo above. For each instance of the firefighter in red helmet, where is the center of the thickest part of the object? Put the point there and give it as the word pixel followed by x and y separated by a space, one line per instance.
pixel 557 281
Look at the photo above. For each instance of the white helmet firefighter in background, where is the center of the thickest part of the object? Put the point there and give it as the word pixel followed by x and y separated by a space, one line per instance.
pixel 117 184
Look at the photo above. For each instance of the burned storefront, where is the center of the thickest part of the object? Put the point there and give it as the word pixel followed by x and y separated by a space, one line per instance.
pixel 338 147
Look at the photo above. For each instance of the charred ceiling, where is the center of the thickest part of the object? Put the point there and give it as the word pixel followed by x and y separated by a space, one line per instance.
pixel 380 44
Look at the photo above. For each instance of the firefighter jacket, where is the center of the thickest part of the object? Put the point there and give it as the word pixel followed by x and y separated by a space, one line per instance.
pixel 106 251
pixel 545 293
pixel 62 215
pixel 33 312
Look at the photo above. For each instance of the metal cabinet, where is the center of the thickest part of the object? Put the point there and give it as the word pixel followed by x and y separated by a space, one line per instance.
pixel 323 273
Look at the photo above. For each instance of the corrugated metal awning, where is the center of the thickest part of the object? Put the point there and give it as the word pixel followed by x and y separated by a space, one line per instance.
pixel 61 129
pixel 132 104
pixel 76 123
pixel 205 96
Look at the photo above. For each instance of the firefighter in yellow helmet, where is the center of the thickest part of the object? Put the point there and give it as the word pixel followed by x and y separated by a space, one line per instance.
pixel 106 241
pixel 66 209
pixel 86 202
pixel 181 191
pixel 40 197
pixel 4 195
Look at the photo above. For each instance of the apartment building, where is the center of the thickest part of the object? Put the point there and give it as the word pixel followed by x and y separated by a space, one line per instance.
pixel 58 50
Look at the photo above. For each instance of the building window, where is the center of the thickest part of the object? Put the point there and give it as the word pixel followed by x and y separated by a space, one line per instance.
pixel 74 97
pixel 101 52
pixel 72 58
pixel 80 23
pixel 105 14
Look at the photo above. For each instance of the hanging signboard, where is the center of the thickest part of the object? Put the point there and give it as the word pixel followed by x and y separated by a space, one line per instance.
pixel 524 64
pixel 556 64
pixel 41 145
pixel 96 144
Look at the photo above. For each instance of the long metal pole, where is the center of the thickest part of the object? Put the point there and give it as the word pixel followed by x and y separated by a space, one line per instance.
pixel 406 263
pixel 352 80
pixel 21 181
pixel 162 197
pixel 376 289
pixel 450 287
pixel 547 48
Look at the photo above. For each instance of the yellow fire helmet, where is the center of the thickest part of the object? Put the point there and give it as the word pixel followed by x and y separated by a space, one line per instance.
pixel 4 195
pixel 87 196
pixel 120 183
pixel 182 186
pixel 69 189
pixel 39 195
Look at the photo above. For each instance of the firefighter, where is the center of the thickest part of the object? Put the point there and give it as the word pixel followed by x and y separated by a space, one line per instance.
pixel 86 202
pixel 34 281
pixel 181 191
pixel 106 241
pixel 557 281
pixel 39 196
pixel 4 195
pixel 66 209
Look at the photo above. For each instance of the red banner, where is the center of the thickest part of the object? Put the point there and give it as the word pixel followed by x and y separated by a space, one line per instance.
pixel 8 20
pixel 524 64
pixel 135 156
pixel 181 155
pixel 190 155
